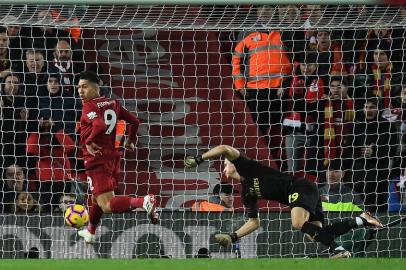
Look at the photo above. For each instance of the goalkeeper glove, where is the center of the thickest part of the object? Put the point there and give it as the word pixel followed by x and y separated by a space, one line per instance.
pixel 226 240
pixel 191 162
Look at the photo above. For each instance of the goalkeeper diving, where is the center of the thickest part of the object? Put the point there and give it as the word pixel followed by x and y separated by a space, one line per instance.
pixel 302 196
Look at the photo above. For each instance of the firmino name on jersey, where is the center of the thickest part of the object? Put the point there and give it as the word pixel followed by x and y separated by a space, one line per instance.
pixel 104 103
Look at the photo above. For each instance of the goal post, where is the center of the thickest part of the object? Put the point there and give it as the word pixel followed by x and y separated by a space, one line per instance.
pixel 172 65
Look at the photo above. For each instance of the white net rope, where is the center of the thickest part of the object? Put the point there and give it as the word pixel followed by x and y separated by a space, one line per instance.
pixel 227 17
pixel 181 83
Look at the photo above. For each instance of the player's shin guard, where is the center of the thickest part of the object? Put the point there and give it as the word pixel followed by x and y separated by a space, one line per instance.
pixel 124 204
pixel 340 228
pixel 95 214
pixel 319 234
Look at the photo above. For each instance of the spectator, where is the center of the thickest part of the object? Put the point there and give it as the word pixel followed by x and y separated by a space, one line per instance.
pixel 34 71
pixel 385 81
pixel 5 63
pixel 64 111
pixel 335 195
pixel 222 199
pixel 63 64
pixel 258 73
pixel 46 37
pixel 16 42
pixel 330 56
pixel 34 78
pixel 339 116
pixel 26 203
pixel 14 181
pixel 300 122
pixel 65 201
pixel 369 150
pixel 14 118
pixel 51 149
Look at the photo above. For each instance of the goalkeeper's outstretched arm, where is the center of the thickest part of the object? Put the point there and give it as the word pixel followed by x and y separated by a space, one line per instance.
pixel 222 150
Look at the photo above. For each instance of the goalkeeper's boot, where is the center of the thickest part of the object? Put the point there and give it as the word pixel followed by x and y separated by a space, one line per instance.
pixel 85 234
pixel 149 206
pixel 370 220
pixel 340 254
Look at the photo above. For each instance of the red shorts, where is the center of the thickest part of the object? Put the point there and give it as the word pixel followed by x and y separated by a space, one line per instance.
pixel 104 177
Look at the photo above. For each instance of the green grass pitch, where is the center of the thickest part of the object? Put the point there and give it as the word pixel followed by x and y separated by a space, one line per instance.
pixel 196 264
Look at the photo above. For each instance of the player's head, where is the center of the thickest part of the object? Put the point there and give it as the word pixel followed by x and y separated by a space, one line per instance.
pixel 88 87
pixel 225 192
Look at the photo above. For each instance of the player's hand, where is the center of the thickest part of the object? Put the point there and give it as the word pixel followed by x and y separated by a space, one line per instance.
pixel 223 239
pixel 191 162
pixel 129 146
pixel 94 149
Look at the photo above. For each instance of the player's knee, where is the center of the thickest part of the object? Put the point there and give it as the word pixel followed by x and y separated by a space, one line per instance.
pixel 297 224
pixel 105 207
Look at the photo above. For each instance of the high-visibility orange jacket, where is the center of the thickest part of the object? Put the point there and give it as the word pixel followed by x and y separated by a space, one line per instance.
pixel 205 206
pixel 74 31
pixel 260 61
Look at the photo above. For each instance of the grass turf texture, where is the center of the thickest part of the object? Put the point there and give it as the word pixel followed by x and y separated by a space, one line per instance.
pixel 196 264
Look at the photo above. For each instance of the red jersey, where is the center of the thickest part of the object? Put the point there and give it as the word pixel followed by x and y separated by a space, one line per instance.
pixel 98 125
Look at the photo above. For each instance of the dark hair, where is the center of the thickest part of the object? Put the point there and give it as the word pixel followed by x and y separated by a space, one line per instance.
pixel 335 165
pixel 223 187
pixel 384 46
pixel 372 99
pixel 89 76
pixel 3 29
pixel 309 57
pixel 341 79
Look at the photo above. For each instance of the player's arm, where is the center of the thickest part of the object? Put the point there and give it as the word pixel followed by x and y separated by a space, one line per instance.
pixel 251 225
pixel 222 150
pixel 98 127
pixel 134 123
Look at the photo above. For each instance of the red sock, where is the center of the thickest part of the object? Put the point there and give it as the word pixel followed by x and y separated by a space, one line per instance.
pixel 95 214
pixel 124 204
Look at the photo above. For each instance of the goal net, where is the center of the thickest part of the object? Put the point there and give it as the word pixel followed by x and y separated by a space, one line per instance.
pixel 314 91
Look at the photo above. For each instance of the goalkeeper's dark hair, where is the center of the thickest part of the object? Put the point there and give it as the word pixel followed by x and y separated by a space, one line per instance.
pixel 89 76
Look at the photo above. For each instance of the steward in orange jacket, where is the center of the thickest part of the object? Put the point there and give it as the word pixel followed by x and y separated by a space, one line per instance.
pixel 222 200
pixel 261 62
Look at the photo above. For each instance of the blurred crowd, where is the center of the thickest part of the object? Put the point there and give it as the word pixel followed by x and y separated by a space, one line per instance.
pixel 329 102
pixel 39 114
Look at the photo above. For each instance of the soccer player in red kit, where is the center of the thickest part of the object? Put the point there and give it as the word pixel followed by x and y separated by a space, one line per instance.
pixel 102 159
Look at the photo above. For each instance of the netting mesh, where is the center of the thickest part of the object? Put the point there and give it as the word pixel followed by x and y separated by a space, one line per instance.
pixel 313 91
pixel 227 17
